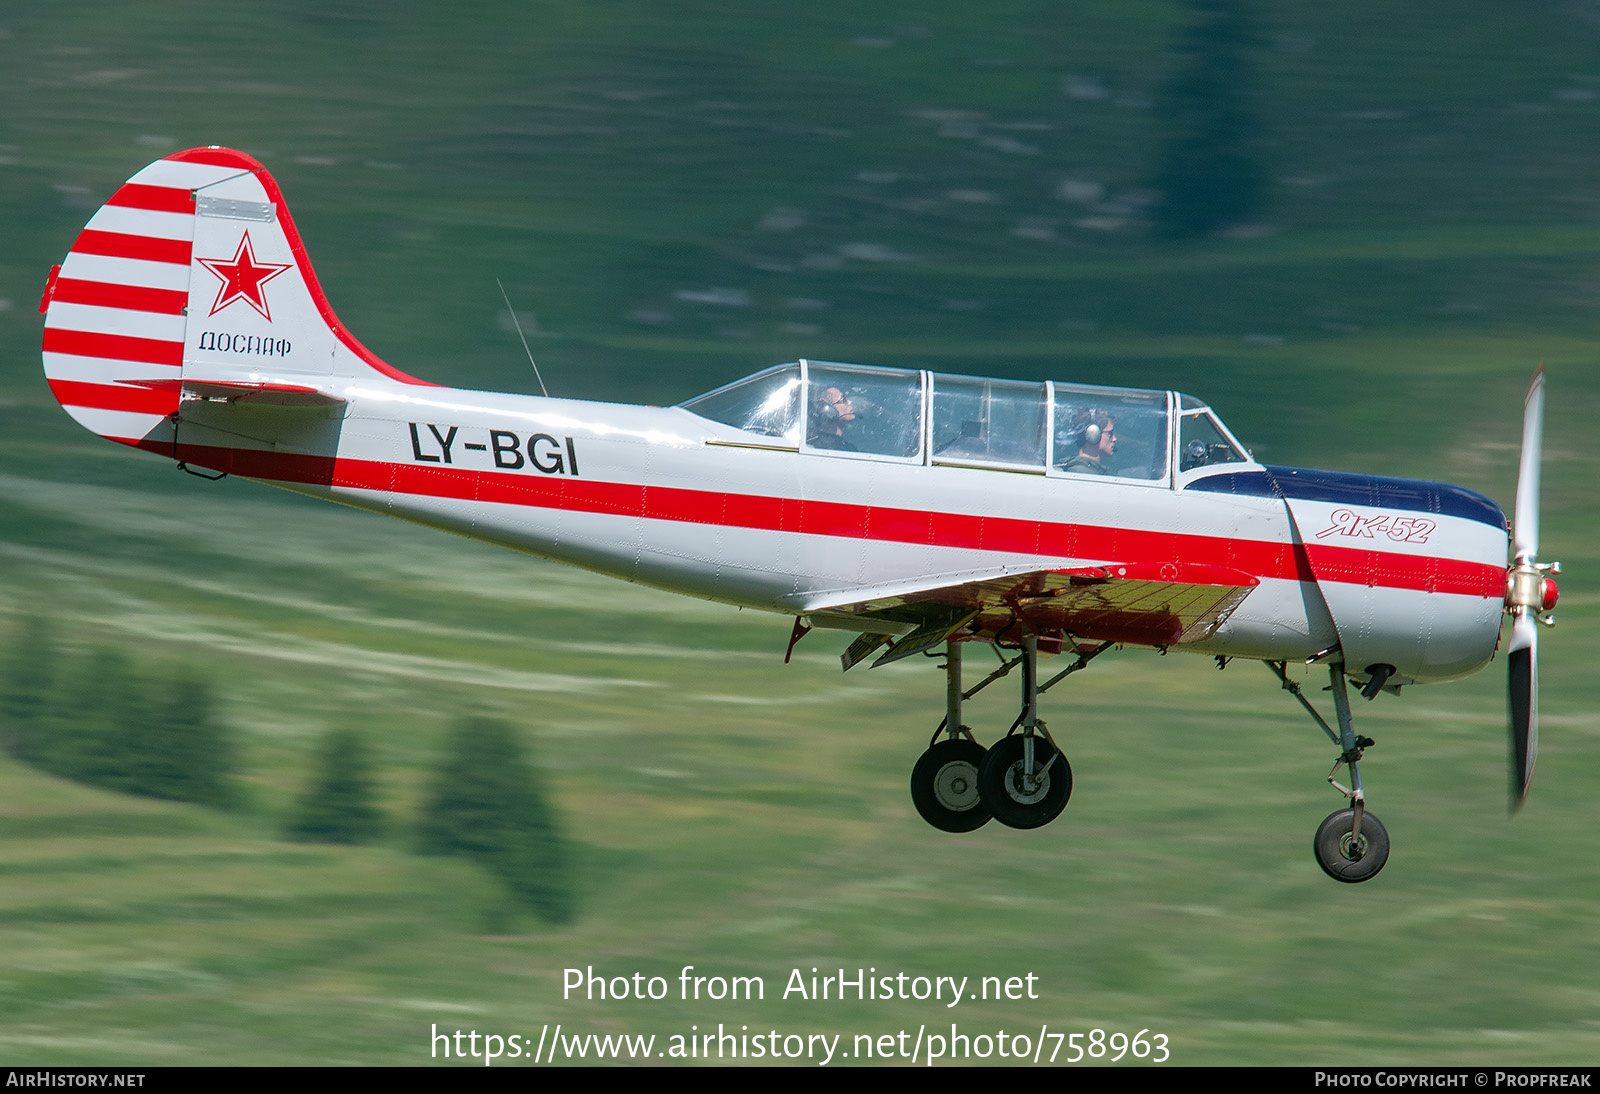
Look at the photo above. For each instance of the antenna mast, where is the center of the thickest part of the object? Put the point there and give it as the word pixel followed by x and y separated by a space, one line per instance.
pixel 525 349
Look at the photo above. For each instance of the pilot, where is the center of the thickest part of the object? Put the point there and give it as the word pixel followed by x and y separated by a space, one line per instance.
pixel 1096 437
pixel 829 413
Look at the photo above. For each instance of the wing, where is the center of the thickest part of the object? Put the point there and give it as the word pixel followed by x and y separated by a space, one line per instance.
pixel 1146 604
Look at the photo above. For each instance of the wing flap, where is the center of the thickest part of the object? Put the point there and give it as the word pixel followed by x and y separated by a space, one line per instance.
pixel 1148 604
pixel 939 623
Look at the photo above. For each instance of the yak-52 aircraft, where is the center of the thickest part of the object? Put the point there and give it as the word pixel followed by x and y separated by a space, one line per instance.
pixel 916 509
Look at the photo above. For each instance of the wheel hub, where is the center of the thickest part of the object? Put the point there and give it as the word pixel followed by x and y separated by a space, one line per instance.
pixel 1025 788
pixel 956 786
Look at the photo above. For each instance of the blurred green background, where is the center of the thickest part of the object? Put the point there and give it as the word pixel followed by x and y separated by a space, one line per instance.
pixel 1389 216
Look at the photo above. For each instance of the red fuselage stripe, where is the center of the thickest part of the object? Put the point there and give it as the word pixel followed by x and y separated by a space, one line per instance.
pixel 1261 558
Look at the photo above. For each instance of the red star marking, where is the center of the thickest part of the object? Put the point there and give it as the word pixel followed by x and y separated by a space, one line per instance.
pixel 243 277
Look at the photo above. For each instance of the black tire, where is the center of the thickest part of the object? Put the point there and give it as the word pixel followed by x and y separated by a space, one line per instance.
pixel 944 786
pixel 1344 859
pixel 1001 785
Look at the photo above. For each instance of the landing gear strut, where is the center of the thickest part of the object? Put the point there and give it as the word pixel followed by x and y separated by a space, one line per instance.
pixel 1351 845
pixel 944 784
pixel 1025 780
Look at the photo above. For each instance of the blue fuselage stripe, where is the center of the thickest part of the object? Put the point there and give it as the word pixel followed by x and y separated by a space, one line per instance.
pixel 1344 488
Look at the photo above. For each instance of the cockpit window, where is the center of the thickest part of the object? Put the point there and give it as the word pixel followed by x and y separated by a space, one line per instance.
pixel 988 421
pixel 1201 443
pixel 913 416
pixel 875 411
pixel 1110 431
pixel 767 403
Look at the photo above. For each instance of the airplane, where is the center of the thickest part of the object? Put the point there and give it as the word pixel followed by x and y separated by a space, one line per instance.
pixel 914 509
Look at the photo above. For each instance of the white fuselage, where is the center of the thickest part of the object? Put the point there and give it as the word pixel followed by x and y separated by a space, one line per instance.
pixel 663 497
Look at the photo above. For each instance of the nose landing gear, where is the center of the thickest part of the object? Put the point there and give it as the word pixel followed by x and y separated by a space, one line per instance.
pixel 1351 845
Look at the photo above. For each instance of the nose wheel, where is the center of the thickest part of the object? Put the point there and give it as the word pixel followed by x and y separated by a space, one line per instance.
pixel 1348 854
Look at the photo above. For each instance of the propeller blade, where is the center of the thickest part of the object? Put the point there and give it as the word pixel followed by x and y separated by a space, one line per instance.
pixel 1525 526
pixel 1523 662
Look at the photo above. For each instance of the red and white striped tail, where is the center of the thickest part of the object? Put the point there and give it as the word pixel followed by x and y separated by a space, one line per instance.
pixel 191 272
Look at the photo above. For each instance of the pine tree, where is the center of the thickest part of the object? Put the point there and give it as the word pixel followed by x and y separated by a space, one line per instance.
pixel 180 750
pixel 96 721
pixel 91 733
pixel 487 804
pixel 340 805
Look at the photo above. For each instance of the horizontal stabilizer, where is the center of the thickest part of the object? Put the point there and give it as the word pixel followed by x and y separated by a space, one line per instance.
pixel 238 391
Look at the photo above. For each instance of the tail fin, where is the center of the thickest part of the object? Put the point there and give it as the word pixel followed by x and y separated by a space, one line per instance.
pixel 192 278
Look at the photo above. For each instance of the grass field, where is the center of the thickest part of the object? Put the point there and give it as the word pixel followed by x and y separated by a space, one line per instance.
pixel 889 191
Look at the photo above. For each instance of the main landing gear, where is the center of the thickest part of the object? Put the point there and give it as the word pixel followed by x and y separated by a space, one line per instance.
pixel 944 784
pixel 1024 781
pixel 1351 845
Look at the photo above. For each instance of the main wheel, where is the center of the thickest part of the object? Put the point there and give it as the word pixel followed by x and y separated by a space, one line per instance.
pixel 1014 799
pixel 944 786
pixel 1345 857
